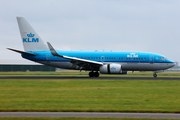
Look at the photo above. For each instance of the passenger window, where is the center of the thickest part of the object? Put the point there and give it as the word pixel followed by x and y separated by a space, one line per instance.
pixel 141 58
pixel 114 58
pixel 129 58
pixel 144 58
pixel 134 58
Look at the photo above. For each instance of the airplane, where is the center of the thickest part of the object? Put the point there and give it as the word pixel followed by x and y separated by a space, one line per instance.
pixel 104 62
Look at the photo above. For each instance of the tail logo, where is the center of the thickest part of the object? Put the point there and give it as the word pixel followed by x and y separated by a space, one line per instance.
pixel 30 35
pixel 30 38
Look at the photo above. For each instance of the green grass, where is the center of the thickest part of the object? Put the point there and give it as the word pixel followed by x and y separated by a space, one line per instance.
pixel 85 74
pixel 90 95
pixel 28 118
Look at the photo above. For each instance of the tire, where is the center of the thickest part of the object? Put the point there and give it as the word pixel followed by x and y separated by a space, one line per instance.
pixel 96 74
pixel 91 74
pixel 155 75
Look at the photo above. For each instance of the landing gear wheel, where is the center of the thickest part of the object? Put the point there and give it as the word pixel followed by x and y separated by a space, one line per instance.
pixel 96 74
pixel 91 74
pixel 155 75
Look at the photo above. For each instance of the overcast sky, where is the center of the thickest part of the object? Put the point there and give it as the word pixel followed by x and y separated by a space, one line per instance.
pixel 117 25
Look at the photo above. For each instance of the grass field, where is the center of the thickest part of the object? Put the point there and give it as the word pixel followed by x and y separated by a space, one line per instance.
pixel 90 95
pixel 85 74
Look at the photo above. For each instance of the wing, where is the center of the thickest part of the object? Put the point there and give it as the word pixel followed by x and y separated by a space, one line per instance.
pixel 82 63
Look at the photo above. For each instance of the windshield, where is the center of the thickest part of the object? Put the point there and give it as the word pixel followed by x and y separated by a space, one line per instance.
pixel 162 58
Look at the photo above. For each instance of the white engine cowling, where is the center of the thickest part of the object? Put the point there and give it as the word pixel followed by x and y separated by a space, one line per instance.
pixel 112 69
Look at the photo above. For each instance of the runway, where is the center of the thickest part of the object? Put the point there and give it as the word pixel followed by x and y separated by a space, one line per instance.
pixel 91 115
pixel 87 78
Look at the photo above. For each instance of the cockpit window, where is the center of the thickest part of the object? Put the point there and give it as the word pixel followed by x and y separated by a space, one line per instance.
pixel 162 58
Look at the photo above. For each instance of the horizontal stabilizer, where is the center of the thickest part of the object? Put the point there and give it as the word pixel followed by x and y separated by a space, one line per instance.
pixel 18 51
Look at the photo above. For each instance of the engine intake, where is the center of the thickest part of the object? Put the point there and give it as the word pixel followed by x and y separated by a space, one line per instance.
pixel 112 69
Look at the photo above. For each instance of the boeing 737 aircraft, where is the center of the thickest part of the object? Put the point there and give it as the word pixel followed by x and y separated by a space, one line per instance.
pixel 94 61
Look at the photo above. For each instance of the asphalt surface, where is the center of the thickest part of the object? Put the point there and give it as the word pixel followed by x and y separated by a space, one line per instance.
pixel 91 114
pixel 100 78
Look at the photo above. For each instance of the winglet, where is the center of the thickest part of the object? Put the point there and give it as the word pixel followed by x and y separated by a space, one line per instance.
pixel 53 51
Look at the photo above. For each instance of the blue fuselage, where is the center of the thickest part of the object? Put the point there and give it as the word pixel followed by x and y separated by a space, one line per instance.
pixel 135 61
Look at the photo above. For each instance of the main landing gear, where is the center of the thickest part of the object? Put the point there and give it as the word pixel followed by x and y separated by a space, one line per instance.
pixel 155 75
pixel 93 74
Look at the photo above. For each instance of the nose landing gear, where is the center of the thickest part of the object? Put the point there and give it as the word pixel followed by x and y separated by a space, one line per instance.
pixel 94 74
pixel 155 75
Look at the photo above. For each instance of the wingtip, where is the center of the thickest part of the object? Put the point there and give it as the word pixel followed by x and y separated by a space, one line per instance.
pixel 8 48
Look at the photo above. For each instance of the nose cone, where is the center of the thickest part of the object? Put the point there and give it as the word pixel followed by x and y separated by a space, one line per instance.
pixel 171 63
pixel 174 64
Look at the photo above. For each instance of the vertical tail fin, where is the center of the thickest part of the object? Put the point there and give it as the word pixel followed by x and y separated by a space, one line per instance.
pixel 31 40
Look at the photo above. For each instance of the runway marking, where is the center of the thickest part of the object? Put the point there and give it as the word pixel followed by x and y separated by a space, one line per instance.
pixel 100 78
pixel 91 115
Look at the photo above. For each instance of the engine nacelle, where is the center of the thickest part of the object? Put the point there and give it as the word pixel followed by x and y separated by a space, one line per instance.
pixel 112 69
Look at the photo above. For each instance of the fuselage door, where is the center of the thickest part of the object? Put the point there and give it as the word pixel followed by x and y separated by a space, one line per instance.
pixel 151 59
pixel 102 58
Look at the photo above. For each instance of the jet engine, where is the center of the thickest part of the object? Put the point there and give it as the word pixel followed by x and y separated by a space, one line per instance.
pixel 112 69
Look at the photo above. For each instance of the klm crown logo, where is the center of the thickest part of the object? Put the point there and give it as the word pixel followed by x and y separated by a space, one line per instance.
pixel 30 35
pixel 113 68
pixel 30 38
